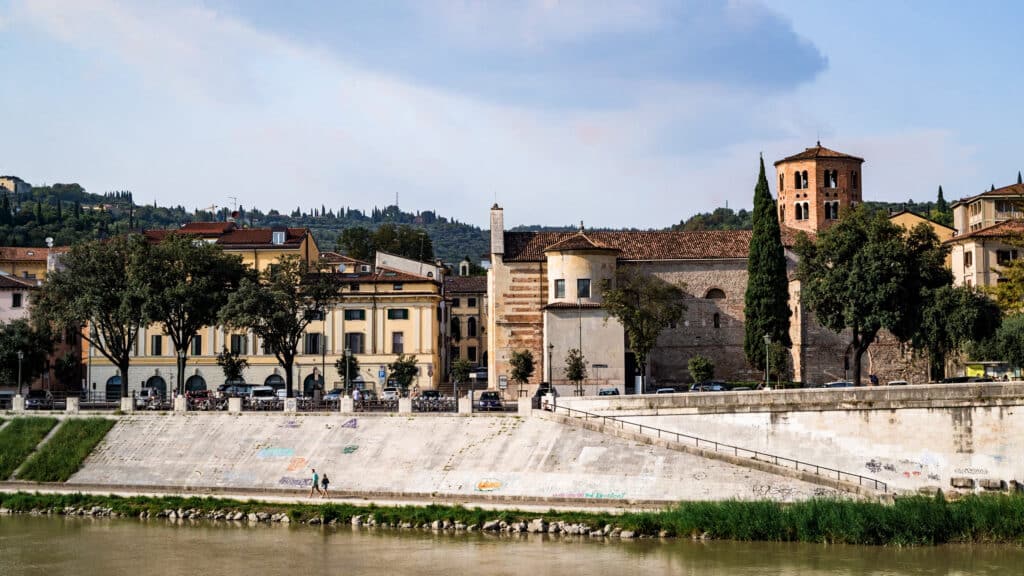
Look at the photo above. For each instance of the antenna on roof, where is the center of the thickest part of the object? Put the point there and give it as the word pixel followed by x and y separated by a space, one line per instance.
pixel 234 201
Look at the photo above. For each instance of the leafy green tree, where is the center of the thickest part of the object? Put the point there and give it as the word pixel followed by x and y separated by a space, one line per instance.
pixel 576 368
pixel 105 285
pixel 34 343
pixel 766 302
pixel 356 242
pixel 1009 291
pixel 864 274
pixel 279 306
pixel 522 367
pixel 942 213
pixel 644 305
pixel 1006 345
pixel 952 318
pixel 460 370
pixel 778 361
pixel 232 364
pixel 701 368
pixel 403 370
pixel 347 366
pixel 189 281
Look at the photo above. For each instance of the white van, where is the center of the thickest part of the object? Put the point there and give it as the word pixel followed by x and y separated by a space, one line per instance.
pixel 262 395
pixel 146 396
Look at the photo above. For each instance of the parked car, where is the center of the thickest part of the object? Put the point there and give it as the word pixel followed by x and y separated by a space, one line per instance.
pixel 897 383
pixel 146 397
pixel 709 386
pixel 334 395
pixel 666 391
pixel 391 393
pixel 838 384
pixel 490 400
pixel 608 392
pixel 368 395
pixel 38 400
pixel 263 395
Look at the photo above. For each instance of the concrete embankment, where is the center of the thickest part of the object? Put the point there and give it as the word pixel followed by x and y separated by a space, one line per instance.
pixel 478 458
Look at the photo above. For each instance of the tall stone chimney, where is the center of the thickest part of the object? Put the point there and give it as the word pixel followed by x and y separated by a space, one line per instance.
pixel 497 229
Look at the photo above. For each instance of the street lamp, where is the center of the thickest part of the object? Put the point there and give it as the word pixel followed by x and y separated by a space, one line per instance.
pixel 20 356
pixel 551 370
pixel 348 364
pixel 323 361
pixel 767 342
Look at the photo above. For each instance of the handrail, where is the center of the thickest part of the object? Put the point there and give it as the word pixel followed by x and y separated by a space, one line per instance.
pixel 736 450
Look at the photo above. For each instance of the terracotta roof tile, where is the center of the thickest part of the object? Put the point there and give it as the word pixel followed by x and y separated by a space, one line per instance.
pixel 818 151
pixel 1002 230
pixel 465 284
pixel 578 241
pixel 10 282
pixel 1011 190
pixel 227 234
pixel 24 254
pixel 335 258
pixel 380 275
pixel 207 228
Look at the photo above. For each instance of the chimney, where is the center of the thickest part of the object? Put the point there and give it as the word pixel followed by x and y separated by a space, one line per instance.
pixel 497 230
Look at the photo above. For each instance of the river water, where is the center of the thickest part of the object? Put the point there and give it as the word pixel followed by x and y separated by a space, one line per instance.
pixel 94 547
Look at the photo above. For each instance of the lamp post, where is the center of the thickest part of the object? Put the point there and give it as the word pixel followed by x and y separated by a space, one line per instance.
pixel 20 356
pixel 348 364
pixel 323 361
pixel 551 370
pixel 767 342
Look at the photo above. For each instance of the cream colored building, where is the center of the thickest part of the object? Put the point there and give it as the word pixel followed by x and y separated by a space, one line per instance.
pixel 989 231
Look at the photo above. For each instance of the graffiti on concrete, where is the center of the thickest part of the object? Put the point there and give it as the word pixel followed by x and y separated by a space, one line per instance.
pixel 771 491
pixel 268 453
pixel 292 481
pixel 296 464
pixel 971 471
pixel 351 423
pixel 488 485
pixel 349 449
pixel 593 495
pixel 290 424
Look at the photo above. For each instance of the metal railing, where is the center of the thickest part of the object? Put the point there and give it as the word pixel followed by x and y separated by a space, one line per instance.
pixel 737 451
pixel 376 406
pixel 443 404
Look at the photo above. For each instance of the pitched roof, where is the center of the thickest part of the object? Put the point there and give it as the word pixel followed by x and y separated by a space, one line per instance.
pixel 815 152
pixel 335 258
pixel 8 282
pixel 465 284
pixel 379 275
pixel 920 217
pixel 227 234
pixel 207 228
pixel 572 306
pixel 24 254
pixel 1011 190
pixel 638 245
pixel 578 241
pixel 1004 229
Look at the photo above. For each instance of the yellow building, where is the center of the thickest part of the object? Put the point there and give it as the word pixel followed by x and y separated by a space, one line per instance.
pixel 908 220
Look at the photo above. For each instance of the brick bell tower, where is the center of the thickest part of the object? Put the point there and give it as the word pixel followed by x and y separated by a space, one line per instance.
pixel 815 186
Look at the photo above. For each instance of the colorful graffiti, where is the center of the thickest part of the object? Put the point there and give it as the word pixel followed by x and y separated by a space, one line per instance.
pixel 349 449
pixel 267 453
pixel 488 485
pixel 351 423
pixel 592 495
pixel 292 481
pixel 296 464
pixel 290 424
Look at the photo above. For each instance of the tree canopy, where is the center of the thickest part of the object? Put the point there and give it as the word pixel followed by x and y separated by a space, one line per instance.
pixel 33 341
pixel 644 305
pixel 575 367
pixel 403 370
pixel 403 240
pixel 953 317
pixel 279 306
pixel 522 367
pixel 866 274
pixel 766 301
pixel 189 282
pixel 104 284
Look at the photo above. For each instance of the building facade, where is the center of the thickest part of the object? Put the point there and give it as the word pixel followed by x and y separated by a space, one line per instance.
pixel 989 228
pixel 467 306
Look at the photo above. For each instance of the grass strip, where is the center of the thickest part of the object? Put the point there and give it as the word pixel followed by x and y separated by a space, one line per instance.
pixel 911 521
pixel 63 455
pixel 18 439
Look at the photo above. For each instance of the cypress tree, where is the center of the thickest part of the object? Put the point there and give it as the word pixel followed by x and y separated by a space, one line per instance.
pixel 766 304
pixel 1019 181
pixel 941 206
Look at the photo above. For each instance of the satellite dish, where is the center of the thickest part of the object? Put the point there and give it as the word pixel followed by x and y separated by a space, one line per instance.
pixel 49 242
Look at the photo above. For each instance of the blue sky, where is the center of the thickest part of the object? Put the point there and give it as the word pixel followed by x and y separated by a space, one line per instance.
pixel 621 114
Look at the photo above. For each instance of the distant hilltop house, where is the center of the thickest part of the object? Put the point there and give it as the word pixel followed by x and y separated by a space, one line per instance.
pixel 988 228
pixel 543 292
pixel 15 185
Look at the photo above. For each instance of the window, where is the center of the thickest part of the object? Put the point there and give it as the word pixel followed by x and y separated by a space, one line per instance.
pixel 398 313
pixel 796 181
pixel 354 314
pixel 353 288
pixel 456 302
pixel 314 343
pixel 471 327
pixel 782 182
pixel 16 299
pixel 1004 257
pixel 471 302
pixel 354 342
pixel 471 353
pixel 832 210
pixel 968 258
pixel 397 286
pixel 197 345
pixel 156 345
pixel 277 237
pixel 782 213
pixel 807 211
pixel 853 179
pixel 397 343
pixel 559 288
pixel 315 314
pixel 717 319
pixel 803 175
pixel 239 344
pixel 455 353
pixel 715 294
pixel 583 288
pixel 799 211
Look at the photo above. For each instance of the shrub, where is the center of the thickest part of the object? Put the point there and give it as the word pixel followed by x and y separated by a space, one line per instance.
pixel 701 368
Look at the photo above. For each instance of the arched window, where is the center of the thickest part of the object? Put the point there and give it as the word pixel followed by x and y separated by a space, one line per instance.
pixel 853 179
pixel 804 176
pixel 796 180
pixel 159 384
pixel 782 212
pixel 807 211
pixel 113 388
pixel 275 381
pixel 195 383
pixel 471 327
pixel 717 320
pixel 799 211
pixel 781 182
pixel 715 294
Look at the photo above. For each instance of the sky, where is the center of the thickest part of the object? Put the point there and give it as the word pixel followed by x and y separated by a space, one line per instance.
pixel 620 114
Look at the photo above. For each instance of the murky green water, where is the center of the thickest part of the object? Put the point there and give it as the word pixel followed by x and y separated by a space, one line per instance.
pixel 94 547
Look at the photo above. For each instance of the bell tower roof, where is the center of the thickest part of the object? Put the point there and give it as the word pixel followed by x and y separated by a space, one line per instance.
pixel 817 152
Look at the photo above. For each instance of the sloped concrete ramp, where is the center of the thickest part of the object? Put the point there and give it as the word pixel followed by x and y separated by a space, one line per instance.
pixel 495 457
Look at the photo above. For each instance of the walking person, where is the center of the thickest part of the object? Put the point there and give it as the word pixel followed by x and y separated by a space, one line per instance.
pixel 316 484
pixel 323 485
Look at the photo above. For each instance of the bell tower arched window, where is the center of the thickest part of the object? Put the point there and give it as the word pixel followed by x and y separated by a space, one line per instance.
pixel 804 176
pixel 798 211
pixel 782 182
pixel 796 180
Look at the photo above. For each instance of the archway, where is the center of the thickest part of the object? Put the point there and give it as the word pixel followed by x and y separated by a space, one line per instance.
pixel 195 383
pixel 310 383
pixel 159 384
pixel 274 381
pixel 113 390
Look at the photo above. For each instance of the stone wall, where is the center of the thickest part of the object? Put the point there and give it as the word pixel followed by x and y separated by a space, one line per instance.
pixel 520 290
